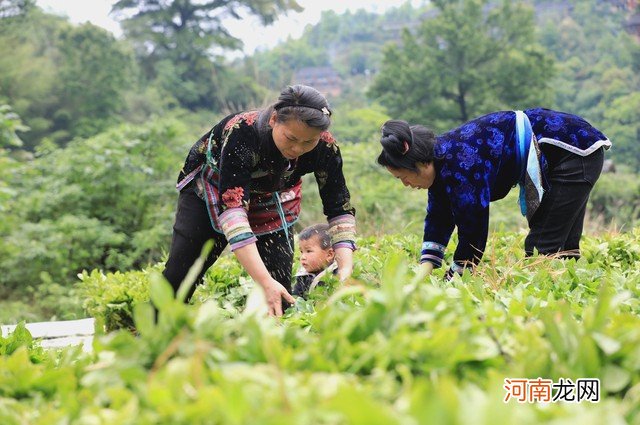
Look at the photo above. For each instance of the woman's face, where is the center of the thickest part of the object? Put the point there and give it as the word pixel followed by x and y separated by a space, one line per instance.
pixel 421 179
pixel 293 138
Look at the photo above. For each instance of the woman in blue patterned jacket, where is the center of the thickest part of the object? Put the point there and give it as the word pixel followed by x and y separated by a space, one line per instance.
pixel 555 157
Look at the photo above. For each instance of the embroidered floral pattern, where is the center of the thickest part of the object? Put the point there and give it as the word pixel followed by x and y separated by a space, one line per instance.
pixel 495 142
pixel 232 122
pixel 468 157
pixel 232 198
pixel 327 137
pixel 469 129
pixel 248 117
pixel 554 123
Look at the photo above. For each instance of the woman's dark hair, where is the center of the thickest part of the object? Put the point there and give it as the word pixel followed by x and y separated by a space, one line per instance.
pixel 319 230
pixel 404 146
pixel 303 103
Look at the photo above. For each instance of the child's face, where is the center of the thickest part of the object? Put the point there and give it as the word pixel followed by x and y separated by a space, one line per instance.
pixel 312 257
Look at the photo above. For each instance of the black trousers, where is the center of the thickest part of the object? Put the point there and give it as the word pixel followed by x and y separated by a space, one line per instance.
pixel 556 227
pixel 193 228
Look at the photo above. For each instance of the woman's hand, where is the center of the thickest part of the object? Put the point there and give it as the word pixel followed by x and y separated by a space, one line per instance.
pixel 249 258
pixel 274 293
pixel 344 259
pixel 425 269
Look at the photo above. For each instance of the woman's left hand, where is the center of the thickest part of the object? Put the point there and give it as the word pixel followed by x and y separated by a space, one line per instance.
pixel 344 258
pixel 344 274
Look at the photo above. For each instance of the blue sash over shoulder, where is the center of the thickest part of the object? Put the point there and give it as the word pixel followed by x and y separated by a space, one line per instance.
pixel 528 157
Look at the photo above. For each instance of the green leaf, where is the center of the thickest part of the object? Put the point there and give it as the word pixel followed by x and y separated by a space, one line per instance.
pixel 607 344
pixel 160 292
pixel 194 271
pixel 615 378
pixel 144 318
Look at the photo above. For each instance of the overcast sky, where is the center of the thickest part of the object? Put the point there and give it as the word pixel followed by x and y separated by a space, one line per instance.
pixel 97 12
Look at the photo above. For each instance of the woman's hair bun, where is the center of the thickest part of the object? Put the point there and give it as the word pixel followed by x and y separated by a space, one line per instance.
pixel 396 137
pixel 391 143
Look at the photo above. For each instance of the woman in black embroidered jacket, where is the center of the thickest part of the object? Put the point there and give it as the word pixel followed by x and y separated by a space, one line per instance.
pixel 241 186
pixel 546 152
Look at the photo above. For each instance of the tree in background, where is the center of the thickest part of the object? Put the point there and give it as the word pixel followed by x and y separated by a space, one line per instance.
pixel 176 43
pixel 94 73
pixel 10 123
pixel 64 81
pixel 468 57
pixel 599 72
pixel 28 69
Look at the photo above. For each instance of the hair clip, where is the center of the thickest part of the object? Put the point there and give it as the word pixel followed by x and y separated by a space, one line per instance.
pixel 406 147
pixel 325 110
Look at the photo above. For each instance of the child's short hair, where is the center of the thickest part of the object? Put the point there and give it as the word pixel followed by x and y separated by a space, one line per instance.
pixel 320 230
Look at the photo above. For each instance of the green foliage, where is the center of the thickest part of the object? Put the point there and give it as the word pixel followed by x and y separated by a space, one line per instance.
pixel 94 73
pixel 616 198
pixel 598 63
pixel 388 348
pixel 468 60
pixel 102 202
pixel 621 125
pixel 274 68
pixel 19 338
pixel 65 81
pixel 10 123
pixel 359 124
pixel 111 298
pixel 27 68
pixel 41 303
pixel 64 247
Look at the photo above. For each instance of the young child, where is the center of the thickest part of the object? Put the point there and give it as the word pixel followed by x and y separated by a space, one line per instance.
pixel 316 258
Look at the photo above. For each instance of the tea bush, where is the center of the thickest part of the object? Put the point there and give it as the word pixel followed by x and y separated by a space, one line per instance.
pixel 391 346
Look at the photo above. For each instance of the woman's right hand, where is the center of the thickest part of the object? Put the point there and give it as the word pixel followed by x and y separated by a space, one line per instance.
pixel 274 293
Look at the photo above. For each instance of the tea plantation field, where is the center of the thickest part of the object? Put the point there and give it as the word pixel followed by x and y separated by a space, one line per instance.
pixel 390 347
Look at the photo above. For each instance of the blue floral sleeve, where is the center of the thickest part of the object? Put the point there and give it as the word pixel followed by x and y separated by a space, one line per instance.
pixel 438 226
pixel 469 193
pixel 473 228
